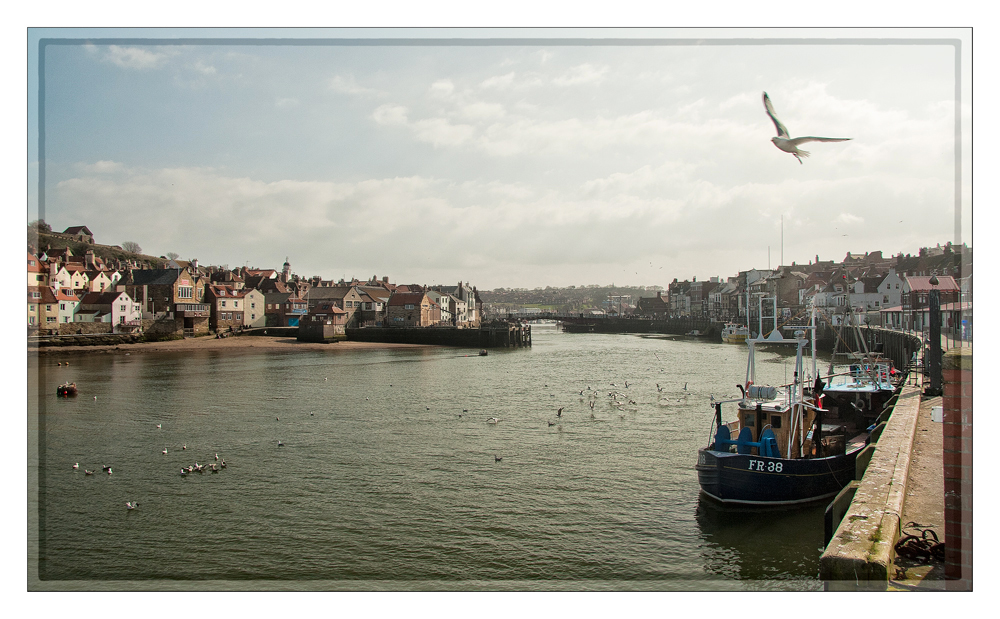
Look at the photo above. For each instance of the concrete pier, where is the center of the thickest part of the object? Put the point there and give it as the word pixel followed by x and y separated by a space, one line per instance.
pixel 860 555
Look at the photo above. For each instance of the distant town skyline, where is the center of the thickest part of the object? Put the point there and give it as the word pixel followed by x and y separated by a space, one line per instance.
pixel 508 164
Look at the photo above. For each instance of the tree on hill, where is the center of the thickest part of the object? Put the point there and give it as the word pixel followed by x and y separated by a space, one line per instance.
pixel 132 247
pixel 173 255
pixel 39 225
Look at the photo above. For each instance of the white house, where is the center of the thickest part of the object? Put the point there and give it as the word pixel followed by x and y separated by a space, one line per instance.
pixel 253 309
pixel 891 289
pixel 67 304
pixel 117 308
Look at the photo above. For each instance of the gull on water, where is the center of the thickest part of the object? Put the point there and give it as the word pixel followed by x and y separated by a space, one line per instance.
pixel 76 466
pixel 786 142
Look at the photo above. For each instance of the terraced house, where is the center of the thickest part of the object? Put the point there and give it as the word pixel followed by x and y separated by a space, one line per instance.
pixel 227 307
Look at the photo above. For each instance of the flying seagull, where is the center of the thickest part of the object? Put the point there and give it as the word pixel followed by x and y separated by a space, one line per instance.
pixel 786 142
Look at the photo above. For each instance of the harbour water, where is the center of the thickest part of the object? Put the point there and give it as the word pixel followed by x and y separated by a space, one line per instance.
pixel 391 475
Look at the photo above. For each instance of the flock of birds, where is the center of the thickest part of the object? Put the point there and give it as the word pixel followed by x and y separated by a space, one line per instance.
pixel 617 399
pixel 213 467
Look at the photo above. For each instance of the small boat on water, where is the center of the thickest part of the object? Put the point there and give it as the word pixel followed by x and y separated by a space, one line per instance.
pixel 785 447
pixel 66 389
pixel 733 333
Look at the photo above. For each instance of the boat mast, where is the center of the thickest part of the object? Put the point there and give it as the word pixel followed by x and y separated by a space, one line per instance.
pixel 812 326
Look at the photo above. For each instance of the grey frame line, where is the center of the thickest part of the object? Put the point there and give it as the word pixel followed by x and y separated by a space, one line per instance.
pixel 39 432
pixel 506 42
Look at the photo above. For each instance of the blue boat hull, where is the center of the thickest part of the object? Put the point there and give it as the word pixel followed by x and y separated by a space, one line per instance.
pixel 755 480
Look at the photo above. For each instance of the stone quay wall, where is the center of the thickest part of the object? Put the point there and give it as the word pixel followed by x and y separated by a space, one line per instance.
pixel 859 557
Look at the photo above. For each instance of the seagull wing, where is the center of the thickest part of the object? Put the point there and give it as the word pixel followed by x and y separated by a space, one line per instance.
pixel 782 132
pixel 809 138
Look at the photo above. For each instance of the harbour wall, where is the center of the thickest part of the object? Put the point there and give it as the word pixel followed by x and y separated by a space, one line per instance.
pixel 859 556
pixel 496 335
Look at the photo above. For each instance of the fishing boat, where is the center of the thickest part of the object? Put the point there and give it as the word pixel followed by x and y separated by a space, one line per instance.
pixel 784 447
pixel 733 333
pixel 865 385
pixel 66 389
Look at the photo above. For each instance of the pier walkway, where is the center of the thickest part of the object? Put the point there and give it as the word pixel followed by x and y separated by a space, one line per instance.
pixel 902 492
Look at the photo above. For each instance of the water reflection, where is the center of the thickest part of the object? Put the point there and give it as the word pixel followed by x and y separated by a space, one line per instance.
pixel 761 543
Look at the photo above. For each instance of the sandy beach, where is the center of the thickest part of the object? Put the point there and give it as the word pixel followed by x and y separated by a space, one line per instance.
pixel 246 343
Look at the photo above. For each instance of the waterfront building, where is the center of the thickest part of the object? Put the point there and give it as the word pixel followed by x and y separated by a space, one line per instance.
pixel 253 308
pixel 42 313
pixel 169 294
pixel 654 307
pixel 67 304
pixel 284 309
pixel 916 297
pixel 374 301
pixel 36 272
pixel 114 307
pixel 412 309
pixel 346 298
pixel 226 307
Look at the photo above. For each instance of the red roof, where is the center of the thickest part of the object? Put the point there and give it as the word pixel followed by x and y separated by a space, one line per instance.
pixel 402 298
pixel 34 264
pixel 945 282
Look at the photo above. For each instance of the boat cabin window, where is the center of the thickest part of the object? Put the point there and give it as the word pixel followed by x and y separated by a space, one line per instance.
pixel 776 421
pixel 748 420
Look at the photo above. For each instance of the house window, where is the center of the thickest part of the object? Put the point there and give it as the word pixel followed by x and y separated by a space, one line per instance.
pixel 62 306
pixel 253 316
pixel 31 320
pixel 36 295
pixel 408 306
pixel 253 306
pixel 50 319
pixel 185 292
pixel 223 304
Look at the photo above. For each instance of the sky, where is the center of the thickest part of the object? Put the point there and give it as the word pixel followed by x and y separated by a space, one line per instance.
pixel 533 161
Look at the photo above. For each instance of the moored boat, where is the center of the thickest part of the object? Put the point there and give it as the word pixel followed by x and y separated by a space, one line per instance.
pixel 733 333
pixel 784 447
pixel 865 385
pixel 66 389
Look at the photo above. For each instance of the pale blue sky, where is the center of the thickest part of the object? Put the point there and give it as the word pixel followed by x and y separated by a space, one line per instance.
pixel 525 164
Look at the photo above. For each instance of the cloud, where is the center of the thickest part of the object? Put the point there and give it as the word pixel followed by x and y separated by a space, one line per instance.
pixel 498 81
pixel 347 84
pixel 442 89
pixel 134 57
pixel 441 132
pixel 582 74
pixel 203 68
pixel 390 114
